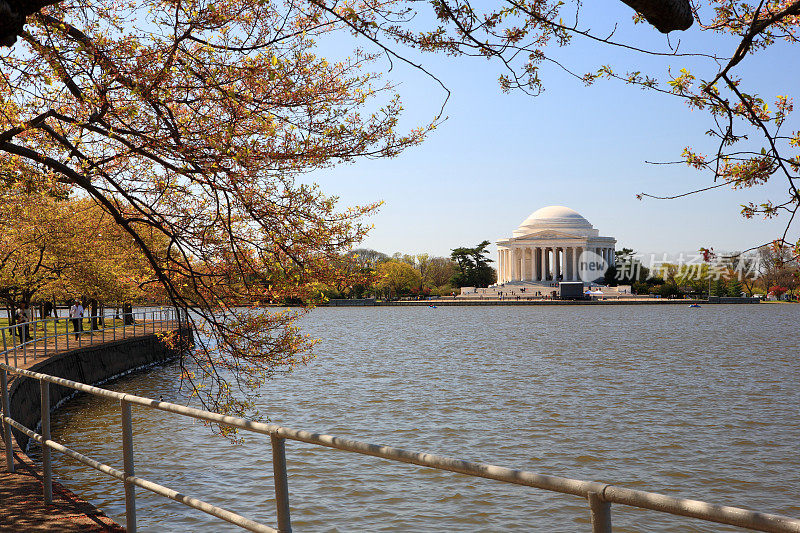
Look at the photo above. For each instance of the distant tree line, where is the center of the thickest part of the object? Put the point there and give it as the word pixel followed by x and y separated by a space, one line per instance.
pixel 772 269
pixel 376 274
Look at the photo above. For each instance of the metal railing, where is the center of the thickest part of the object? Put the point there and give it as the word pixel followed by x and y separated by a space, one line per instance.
pixel 599 496
pixel 26 339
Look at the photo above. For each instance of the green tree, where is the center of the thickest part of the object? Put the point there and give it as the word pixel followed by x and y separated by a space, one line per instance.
pixel 439 273
pixel 670 290
pixel 473 267
pixel 369 258
pixel 719 288
pixel 398 277
pixel 735 287
pixel 627 270
pixel 745 268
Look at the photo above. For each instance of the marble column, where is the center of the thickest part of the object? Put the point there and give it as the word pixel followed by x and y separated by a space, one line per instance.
pixel 568 271
pixel 528 263
pixel 532 264
pixel 515 264
pixel 556 262
pixel 499 266
pixel 560 263
pixel 541 264
pixel 545 263
pixel 575 276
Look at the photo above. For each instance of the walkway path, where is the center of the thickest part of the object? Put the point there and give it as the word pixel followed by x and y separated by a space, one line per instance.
pixel 32 353
pixel 21 493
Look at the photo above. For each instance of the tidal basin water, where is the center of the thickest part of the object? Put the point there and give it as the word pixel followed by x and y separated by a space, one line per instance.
pixel 697 403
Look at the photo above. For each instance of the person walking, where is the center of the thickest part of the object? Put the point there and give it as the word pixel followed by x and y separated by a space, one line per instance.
pixel 22 317
pixel 76 314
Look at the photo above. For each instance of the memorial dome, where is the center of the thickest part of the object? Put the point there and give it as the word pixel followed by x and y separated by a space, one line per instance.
pixel 556 217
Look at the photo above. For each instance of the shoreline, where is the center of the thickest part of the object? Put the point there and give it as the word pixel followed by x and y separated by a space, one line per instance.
pixel 26 509
pixel 465 302
pixel 494 301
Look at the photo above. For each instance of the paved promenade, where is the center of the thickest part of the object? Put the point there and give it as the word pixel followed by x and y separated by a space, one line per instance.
pixel 22 506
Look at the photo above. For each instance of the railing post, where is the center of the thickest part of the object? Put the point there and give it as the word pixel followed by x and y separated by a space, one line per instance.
pixel 601 513
pixel 35 340
pixel 45 338
pixel 44 388
pixel 281 483
pixel 5 346
pixel 16 364
pixel 55 335
pixel 6 425
pixel 127 460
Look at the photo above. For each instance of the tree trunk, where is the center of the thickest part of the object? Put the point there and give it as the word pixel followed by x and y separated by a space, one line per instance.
pixel 665 15
pixel 127 314
pixel 13 14
pixel 93 303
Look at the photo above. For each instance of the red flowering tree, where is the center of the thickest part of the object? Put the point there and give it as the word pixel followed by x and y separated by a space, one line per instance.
pixel 777 291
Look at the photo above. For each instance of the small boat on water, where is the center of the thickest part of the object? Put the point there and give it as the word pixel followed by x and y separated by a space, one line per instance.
pixel 695 305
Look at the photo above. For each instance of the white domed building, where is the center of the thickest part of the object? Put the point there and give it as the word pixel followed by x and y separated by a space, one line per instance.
pixel 547 245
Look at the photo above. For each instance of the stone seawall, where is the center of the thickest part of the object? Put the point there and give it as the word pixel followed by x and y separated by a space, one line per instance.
pixel 512 302
pixel 91 365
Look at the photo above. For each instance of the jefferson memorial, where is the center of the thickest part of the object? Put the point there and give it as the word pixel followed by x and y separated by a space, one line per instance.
pixel 548 245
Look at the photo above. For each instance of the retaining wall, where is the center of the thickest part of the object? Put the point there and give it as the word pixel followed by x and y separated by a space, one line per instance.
pixel 733 300
pixel 91 365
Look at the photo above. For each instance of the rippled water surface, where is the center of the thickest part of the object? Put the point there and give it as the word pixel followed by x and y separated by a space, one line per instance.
pixel 699 403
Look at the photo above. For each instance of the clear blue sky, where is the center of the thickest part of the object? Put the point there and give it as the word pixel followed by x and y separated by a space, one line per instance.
pixel 500 157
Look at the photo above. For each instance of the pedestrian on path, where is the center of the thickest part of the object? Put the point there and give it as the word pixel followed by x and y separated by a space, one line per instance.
pixel 22 317
pixel 76 314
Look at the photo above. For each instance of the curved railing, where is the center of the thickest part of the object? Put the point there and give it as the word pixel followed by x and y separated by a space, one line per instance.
pixel 600 496
pixel 43 337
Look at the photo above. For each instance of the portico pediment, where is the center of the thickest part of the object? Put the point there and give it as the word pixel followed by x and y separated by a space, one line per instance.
pixel 547 235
